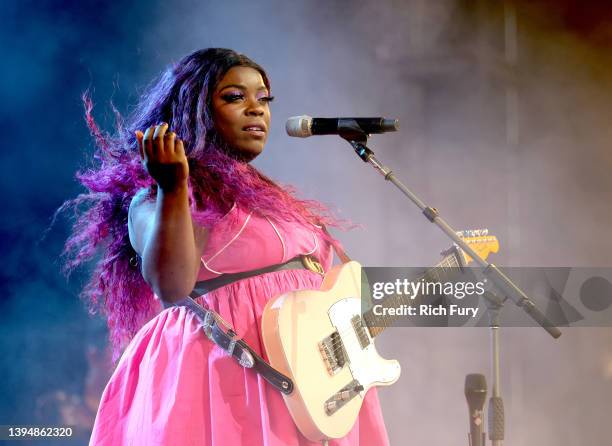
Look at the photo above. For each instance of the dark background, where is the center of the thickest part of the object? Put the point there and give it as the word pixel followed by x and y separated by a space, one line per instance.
pixel 505 114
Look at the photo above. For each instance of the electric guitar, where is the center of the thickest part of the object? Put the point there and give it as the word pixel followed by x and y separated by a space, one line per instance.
pixel 325 344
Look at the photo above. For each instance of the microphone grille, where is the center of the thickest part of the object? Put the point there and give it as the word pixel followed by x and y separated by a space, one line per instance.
pixel 475 382
pixel 475 390
pixel 299 126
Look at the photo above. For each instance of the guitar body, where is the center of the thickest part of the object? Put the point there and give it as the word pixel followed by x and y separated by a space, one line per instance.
pixel 320 340
pixel 316 338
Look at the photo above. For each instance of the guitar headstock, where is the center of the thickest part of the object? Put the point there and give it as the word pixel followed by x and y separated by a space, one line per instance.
pixel 480 241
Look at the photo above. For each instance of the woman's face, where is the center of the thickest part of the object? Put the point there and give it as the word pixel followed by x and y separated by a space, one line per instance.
pixel 241 111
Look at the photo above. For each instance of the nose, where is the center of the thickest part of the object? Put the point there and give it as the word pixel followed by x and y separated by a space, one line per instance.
pixel 255 112
pixel 254 108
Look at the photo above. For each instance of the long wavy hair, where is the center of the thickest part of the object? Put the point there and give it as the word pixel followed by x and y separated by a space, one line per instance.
pixel 182 97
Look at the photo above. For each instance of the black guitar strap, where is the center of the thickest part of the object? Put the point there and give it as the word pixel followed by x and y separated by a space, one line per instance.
pixel 222 334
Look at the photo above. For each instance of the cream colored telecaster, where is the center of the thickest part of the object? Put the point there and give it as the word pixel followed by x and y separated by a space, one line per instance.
pixel 322 341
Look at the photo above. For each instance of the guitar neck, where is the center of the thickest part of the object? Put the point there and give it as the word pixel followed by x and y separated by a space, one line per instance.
pixel 378 323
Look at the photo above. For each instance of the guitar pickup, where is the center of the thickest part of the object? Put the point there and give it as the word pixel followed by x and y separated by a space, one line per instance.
pixel 360 332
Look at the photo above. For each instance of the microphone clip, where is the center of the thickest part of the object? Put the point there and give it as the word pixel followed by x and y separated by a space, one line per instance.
pixel 350 130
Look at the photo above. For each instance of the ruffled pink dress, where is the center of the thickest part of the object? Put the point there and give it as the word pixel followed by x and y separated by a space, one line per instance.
pixel 173 386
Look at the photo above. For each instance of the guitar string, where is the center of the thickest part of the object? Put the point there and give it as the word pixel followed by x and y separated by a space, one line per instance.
pixel 352 341
pixel 446 262
pixel 355 340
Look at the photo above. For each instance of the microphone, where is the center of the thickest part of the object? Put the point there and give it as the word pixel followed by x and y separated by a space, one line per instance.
pixel 476 394
pixel 305 126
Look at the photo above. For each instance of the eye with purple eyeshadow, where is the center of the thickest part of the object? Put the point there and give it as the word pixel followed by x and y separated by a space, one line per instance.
pixel 232 96
pixel 265 97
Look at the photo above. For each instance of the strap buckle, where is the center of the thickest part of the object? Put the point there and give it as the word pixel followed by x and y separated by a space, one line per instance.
pixel 208 324
pixel 245 359
pixel 310 263
pixel 212 320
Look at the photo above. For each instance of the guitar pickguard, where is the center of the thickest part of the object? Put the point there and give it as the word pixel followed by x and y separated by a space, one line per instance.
pixel 366 365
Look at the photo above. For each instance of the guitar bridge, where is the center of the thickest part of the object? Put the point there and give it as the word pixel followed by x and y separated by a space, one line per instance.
pixel 332 352
pixel 343 396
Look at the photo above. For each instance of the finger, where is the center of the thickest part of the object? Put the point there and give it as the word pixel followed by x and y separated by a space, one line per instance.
pixel 178 147
pixel 158 137
pixel 139 137
pixel 169 142
pixel 148 143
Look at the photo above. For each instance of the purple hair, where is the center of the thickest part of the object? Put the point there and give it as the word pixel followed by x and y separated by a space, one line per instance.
pixel 182 97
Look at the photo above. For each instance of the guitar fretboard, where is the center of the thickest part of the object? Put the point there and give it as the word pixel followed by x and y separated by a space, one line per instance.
pixel 439 273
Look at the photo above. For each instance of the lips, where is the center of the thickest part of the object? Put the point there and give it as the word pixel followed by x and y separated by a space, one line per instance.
pixel 254 128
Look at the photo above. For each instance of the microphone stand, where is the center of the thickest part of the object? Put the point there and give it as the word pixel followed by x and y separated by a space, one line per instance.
pixel 349 130
pixel 496 415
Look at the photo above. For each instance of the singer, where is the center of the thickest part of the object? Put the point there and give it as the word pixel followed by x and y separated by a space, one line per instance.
pixel 173 200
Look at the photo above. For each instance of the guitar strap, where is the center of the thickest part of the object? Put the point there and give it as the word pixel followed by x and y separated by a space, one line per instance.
pixel 222 334
pixel 218 331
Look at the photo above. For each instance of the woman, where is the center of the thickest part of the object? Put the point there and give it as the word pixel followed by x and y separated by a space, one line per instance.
pixel 176 201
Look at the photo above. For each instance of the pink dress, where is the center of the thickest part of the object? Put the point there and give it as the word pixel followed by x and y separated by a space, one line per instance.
pixel 173 386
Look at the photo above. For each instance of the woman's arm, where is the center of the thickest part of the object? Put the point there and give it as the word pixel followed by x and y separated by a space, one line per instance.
pixel 163 232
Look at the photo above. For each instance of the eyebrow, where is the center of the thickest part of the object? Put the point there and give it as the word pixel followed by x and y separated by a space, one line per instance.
pixel 242 87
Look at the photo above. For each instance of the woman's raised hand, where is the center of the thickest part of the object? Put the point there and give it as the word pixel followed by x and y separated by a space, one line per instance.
pixel 163 156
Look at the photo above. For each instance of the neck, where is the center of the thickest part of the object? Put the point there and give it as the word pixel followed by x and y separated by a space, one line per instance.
pixel 379 323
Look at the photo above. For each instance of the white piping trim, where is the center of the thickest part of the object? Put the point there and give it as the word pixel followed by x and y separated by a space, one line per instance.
pixel 228 212
pixel 205 262
pixel 280 238
pixel 316 244
pixel 210 269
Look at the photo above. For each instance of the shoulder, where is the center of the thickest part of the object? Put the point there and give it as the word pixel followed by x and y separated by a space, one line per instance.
pixel 141 207
pixel 140 197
